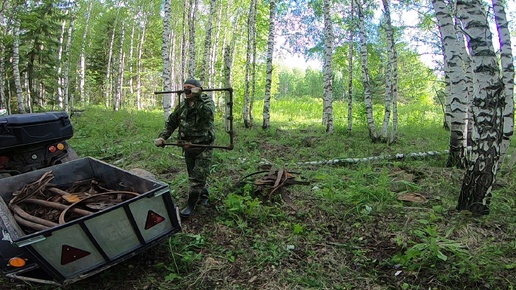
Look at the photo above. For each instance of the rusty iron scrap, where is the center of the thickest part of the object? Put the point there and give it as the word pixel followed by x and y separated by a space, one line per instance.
pixel 41 205
pixel 273 183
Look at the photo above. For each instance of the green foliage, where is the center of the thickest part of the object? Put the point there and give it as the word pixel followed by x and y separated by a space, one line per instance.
pixel 431 249
pixel 184 250
pixel 349 229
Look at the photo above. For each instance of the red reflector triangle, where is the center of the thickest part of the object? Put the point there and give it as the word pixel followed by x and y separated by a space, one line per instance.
pixel 153 219
pixel 70 254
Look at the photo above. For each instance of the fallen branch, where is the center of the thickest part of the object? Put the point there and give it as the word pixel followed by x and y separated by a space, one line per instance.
pixel 345 161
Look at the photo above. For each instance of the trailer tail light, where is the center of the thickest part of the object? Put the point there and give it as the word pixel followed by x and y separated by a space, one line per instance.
pixel 17 262
pixel 52 149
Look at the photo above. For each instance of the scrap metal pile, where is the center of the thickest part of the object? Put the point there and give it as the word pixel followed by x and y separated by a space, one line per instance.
pixel 273 182
pixel 41 205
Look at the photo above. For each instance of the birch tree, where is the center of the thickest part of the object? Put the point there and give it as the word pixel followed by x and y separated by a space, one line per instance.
pixel 82 65
pixel 268 79
pixel 207 42
pixel 16 69
pixel 351 33
pixel 368 100
pixel 458 90
pixel 391 83
pixel 251 42
pixel 327 68
pixel 507 65
pixel 191 32
pixel 165 55
pixel 117 96
pixel 488 105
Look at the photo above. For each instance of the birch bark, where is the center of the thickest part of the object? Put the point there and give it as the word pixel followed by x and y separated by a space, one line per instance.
pixel 351 33
pixel 454 69
pixel 488 105
pixel 368 100
pixel 506 57
pixel 16 69
pixel 268 71
pixel 165 55
pixel 327 68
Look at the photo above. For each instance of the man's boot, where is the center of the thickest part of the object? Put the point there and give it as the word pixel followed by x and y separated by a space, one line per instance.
pixel 187 211
pixel 205 195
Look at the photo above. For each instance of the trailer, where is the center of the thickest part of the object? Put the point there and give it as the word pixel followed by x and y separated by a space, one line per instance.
pixel 79 247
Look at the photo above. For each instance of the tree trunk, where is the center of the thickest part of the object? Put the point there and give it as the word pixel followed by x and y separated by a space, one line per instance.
pixel 140 69
pixel 82 67
pixel 350 66
pixel 165 55
pixel 391 87
pixel 3 99
pixel 327 68
pixel 368 100
pixel 60 66
pixel 108 83
pixel 207 43
pixel 457 83
pixel 251 22
pixel 16 70
pixel 506 56
pixel 488 104
pixel 191 56
pixel 268 71
pixel 66 72
pixel 117 98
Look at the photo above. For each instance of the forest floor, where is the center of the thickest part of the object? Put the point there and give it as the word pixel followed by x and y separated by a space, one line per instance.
pixel 385 224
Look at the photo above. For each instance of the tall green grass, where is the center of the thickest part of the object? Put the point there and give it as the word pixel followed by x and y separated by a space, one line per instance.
pixel 350 230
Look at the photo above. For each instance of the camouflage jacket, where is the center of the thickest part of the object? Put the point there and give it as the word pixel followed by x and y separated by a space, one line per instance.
pixel 195 124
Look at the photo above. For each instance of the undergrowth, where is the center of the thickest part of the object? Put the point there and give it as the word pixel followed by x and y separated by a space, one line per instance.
pixel 348 229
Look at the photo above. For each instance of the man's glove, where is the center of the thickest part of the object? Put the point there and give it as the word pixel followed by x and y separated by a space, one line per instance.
pixel 160 142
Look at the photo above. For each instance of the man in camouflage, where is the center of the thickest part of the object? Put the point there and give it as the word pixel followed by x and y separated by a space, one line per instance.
pixel 194 119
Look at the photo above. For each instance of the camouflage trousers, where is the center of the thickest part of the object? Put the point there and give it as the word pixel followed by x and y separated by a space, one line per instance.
pixel 198 162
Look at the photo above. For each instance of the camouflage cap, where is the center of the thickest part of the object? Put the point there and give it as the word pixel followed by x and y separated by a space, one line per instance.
pixel 193 82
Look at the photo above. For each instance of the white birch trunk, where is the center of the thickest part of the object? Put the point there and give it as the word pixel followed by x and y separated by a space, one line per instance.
pixel 16 70
pixel 391 89
pixel 207 43
pixel 82 66
pixel 66 72
pixel 108 82
pixel 327 68
pixel 117 101
pixel 215 51
pixel 506 57
pixel 165 55
pixel 3 99
pixel 488 105
pixel 60 66
pixel 248 66
pixel 457 83
pixel 368 101
pixel 350 67
pixel 191 33
pixel 268 71
pixel 140 68
pixel 184 45
pixel 131 55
